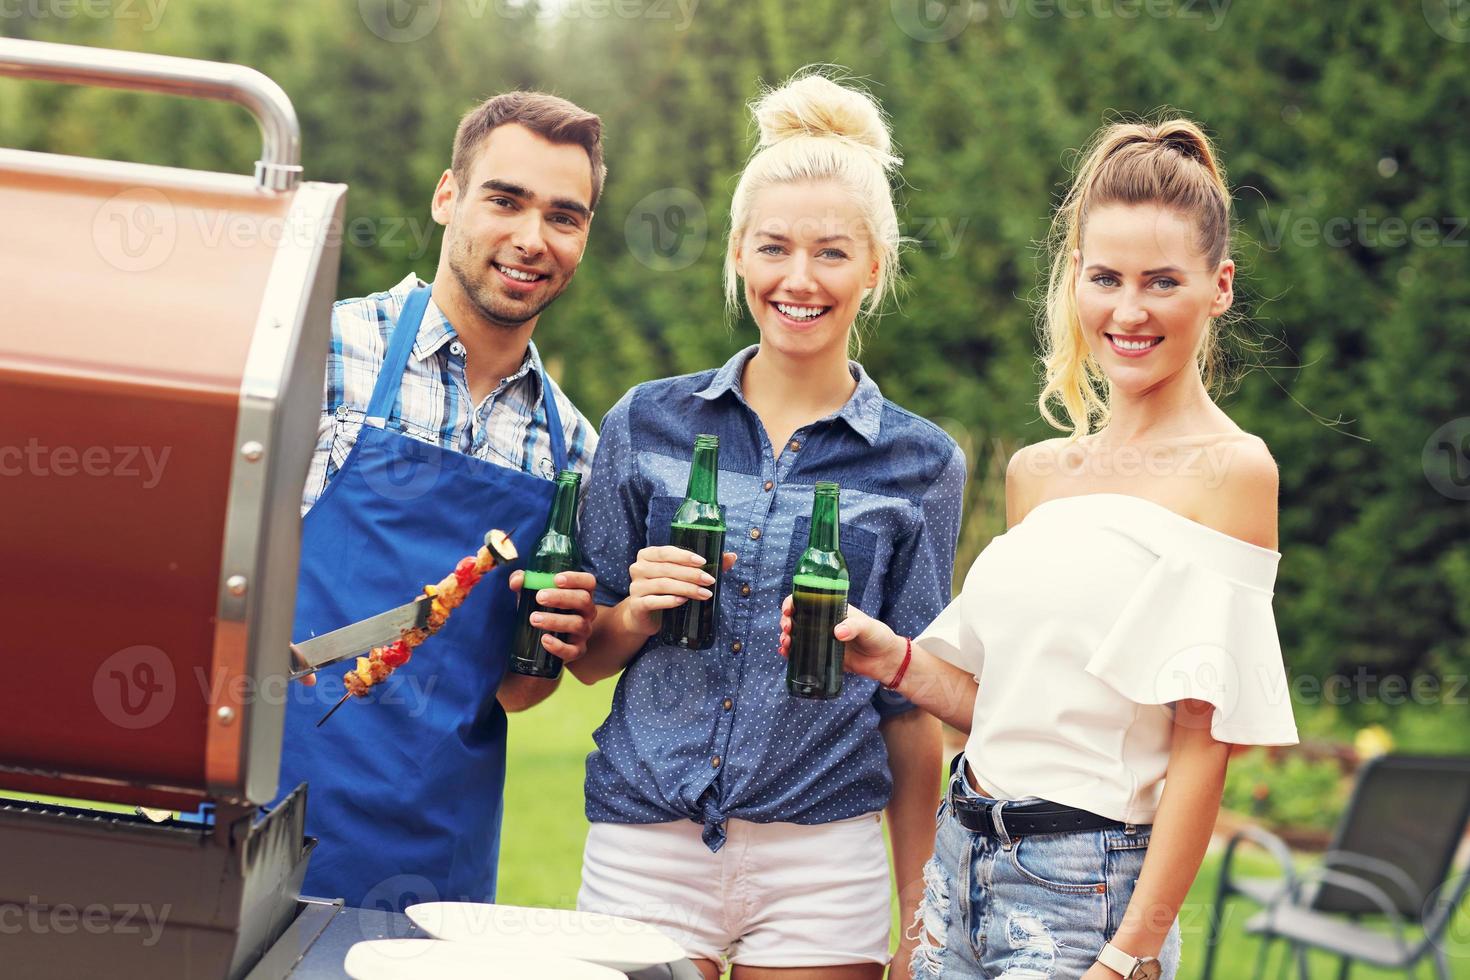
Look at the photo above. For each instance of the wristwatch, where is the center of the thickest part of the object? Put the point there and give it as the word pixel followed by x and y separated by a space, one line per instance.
pixel 1131 967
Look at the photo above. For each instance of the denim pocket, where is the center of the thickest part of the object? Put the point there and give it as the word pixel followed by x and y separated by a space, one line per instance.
pixel 1072 864
pixel 660 514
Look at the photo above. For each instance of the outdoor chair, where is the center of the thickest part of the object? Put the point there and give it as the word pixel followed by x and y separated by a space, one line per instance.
pixel 1387 888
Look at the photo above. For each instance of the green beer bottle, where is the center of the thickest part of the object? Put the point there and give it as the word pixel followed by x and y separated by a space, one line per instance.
pixel 819 603
pixel 555 552
pixel 698 526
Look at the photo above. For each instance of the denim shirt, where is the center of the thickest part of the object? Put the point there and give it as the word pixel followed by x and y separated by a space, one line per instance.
pixel 707 735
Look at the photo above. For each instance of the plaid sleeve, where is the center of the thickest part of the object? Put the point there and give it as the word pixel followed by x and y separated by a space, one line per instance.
pixel 321 469
pixel 581 442
pixel 922 568
pixel 614 515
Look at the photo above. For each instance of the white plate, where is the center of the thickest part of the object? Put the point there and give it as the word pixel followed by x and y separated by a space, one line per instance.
pixel 430 959
pixel 608 940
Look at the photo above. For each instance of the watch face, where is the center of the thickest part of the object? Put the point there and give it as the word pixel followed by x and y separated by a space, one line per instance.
pixel 1147 969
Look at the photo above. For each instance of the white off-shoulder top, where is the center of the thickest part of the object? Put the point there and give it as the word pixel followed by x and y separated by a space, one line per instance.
pixel 1084 623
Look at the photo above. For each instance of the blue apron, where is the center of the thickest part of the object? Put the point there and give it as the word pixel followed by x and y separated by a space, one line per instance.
pixel 405 786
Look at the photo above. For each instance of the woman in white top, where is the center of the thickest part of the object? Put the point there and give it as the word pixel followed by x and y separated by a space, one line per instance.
pixel 1120 631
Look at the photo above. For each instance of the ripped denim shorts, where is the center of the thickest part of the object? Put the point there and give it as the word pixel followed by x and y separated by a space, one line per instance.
pixel 1034 907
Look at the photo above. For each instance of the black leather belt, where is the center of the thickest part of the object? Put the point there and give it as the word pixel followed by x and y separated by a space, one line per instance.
pixel 1019 819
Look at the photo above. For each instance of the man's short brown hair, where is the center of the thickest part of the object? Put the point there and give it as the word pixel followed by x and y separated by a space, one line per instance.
pixel 549 116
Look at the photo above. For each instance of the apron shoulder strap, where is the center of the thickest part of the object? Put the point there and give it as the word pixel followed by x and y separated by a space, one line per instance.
pixel 553 420
pixel 400 344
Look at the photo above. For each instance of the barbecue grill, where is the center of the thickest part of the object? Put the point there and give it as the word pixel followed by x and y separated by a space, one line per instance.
pixel 161 357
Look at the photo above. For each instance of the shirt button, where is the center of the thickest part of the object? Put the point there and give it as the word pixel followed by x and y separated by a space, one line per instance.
pixel 795 445
pixel 755 534
pixel 715 762
pixel 456 347
pixel 727 704
pixel 745 589
pixel 736 647
pixel 769 485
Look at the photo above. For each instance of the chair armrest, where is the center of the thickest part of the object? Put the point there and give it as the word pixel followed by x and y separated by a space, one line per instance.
pixel 1379 867
pixel 1268 842
pixel 1342 879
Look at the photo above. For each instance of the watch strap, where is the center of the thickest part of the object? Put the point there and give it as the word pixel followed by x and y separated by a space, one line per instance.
pixel 1118 961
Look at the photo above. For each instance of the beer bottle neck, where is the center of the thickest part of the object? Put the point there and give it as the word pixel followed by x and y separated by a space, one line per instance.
pixel 824 523
pixel 563 509
pixel 702 483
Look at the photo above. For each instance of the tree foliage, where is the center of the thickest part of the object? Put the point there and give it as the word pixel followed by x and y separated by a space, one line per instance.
pixel 1333 125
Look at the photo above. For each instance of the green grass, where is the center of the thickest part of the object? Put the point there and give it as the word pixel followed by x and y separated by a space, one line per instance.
pixel 541 847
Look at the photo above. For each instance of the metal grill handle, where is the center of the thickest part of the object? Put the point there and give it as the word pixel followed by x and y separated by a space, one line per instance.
pixel 279 166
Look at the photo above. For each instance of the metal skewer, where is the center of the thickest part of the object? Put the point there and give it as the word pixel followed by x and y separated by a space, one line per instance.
pixel 333 710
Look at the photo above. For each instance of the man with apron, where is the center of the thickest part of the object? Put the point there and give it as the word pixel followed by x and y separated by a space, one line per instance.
pixel 440 423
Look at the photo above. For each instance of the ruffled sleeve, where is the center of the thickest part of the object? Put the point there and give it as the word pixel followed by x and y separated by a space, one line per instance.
pixel 952 636
pixel 1192 631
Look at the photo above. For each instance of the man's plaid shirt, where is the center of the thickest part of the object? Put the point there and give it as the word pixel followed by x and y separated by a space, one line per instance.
pixel 508 427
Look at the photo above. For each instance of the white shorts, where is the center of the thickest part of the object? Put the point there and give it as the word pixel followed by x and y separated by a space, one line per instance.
pixel 776 895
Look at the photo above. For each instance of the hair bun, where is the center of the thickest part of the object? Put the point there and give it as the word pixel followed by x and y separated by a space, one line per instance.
pixel 811 104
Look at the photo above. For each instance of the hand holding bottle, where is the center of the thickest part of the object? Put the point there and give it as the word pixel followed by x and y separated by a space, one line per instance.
pixel 563 613
pixel 873 650
pixel 664 577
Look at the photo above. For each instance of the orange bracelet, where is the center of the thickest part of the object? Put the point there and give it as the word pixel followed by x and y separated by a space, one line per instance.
pixel 908 654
